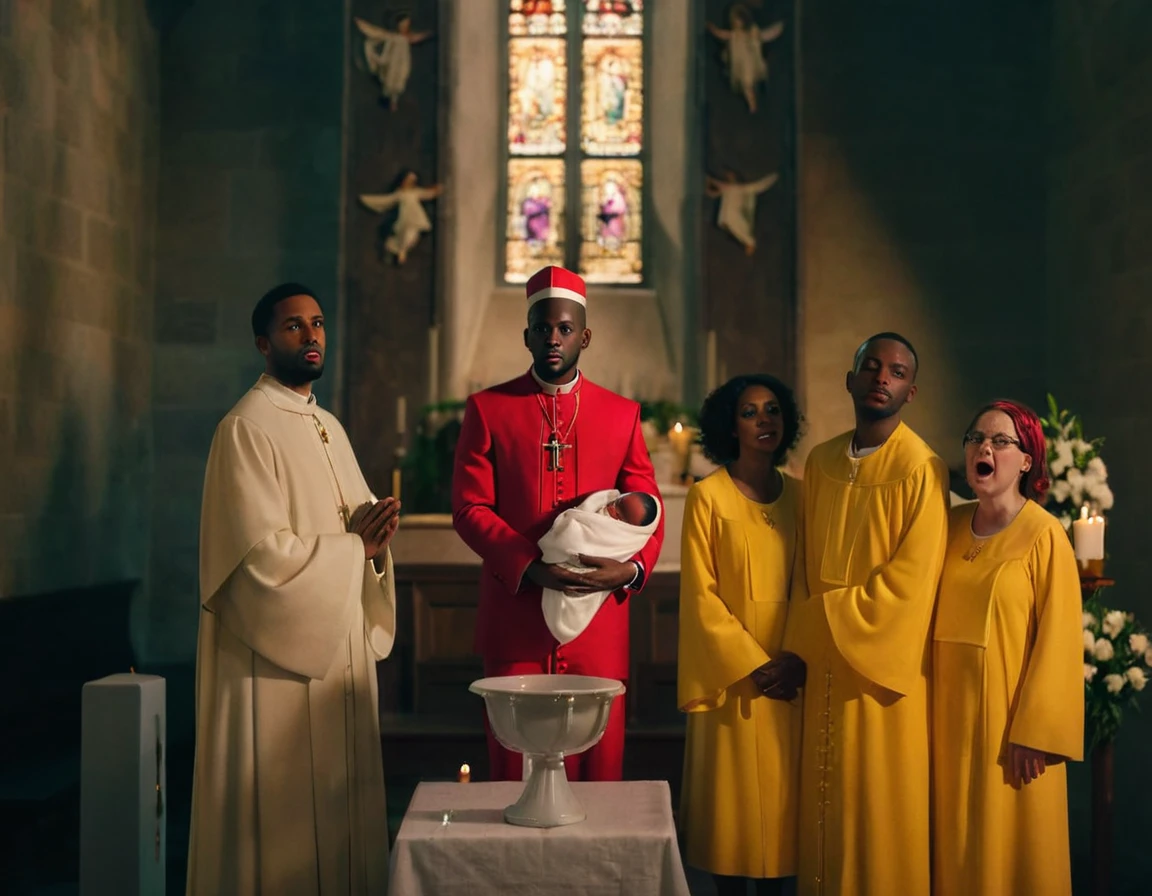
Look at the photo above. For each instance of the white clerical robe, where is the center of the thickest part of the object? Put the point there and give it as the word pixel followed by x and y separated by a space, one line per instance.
pixel 288 792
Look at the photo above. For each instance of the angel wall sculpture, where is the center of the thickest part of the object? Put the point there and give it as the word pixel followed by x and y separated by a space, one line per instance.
pixel 743 53
pixel 389 54
pixel 411 219
pixel 738 205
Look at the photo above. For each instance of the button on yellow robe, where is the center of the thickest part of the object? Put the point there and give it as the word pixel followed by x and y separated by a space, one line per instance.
pixel 1008 668
pixel 738 804
pixel 288 786
pixel 871 546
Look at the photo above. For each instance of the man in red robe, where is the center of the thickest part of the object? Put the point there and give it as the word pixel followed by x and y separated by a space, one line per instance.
pixel 530 448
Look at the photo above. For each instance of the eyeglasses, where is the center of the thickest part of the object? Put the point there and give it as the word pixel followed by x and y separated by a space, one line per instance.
pixel 999 441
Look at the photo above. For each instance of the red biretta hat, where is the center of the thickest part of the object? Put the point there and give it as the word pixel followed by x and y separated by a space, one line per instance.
pixel 554 282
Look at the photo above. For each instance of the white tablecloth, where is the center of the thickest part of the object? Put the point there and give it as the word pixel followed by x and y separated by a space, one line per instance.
pixel 626 846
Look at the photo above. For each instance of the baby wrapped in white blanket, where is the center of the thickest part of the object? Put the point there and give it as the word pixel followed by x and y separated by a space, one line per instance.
pixel 605 524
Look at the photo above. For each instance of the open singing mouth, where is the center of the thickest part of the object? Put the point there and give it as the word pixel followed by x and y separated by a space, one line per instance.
pixel 983 468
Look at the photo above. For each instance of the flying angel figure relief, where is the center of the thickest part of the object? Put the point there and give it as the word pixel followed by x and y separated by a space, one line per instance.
pixel 743 53
pixel 411 219
pixel 738 205
pixel 389 54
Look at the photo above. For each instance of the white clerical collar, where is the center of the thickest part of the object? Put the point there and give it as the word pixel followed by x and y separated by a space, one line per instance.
pixel 278 388
pixel 553 388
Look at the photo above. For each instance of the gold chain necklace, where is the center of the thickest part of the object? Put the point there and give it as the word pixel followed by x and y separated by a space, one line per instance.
pixel 978 541
pixel 557 443
pixel 342 508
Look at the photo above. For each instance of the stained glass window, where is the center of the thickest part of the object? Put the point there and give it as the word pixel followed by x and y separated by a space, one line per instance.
pixel 613 17
pixel 611 220
pixel 612 123
pixel 536 206
pixel 575 78
pixel 537 93
pixel 536 17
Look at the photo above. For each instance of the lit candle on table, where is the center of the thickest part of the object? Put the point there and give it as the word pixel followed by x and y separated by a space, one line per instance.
pixel 465 774
pixel 1088 539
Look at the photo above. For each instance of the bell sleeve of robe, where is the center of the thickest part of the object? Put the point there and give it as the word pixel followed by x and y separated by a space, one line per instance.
pixel 379 604
pixel 1049 712
pixel 636 475
pixel 716 650
pixel 881 627
pixel 290 597
pixel 506 551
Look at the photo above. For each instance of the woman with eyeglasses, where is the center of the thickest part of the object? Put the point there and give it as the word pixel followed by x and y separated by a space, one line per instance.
pixel 1008 692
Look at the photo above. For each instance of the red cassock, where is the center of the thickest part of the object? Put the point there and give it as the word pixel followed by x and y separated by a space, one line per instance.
pixel 507 489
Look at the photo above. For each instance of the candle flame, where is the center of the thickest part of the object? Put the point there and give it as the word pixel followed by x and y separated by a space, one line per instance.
pixel 679 427
pixel 465 770
pixel 1084 512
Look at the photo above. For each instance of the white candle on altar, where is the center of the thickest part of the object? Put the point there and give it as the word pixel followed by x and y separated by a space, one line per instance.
pixel 401 415
pixel 464 776
pixel 433 365
pixel 1088 536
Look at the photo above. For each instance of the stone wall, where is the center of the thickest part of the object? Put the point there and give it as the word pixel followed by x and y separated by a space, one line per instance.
pixel 250 195
pixel 922 202
pixel 78 160
pixel 1099 319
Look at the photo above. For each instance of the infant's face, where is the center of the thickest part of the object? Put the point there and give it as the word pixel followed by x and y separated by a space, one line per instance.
pixel 629 508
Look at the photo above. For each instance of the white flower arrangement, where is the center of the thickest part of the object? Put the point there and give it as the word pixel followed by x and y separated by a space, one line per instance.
pixel 1075 467
pixel 1117 666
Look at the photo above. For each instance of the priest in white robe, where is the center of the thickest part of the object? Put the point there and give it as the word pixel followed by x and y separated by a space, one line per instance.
pixel 297 605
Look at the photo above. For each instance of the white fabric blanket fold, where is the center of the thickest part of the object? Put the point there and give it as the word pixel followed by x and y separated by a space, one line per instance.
pixel 585 529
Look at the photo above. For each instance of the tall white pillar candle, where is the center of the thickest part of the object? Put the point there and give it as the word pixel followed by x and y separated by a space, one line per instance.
pixel 123 786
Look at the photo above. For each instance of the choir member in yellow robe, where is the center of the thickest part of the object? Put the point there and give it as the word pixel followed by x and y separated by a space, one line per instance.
pixel 297 605
pixel 870 550
pixel 1007 673
pixel 738 806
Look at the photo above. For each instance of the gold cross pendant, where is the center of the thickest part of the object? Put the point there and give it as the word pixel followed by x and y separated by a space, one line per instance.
pixel 554 446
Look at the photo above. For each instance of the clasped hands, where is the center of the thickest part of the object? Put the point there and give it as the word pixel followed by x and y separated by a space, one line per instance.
pixel 605 575
pixel 375 524
pixel 781 678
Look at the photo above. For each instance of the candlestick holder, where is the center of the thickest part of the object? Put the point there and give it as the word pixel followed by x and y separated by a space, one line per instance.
pixel 1092 568
pixel 397 470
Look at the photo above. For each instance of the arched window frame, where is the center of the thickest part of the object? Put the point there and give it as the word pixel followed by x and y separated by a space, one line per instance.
pixel 573 155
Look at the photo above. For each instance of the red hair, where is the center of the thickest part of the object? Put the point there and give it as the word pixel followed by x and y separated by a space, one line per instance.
pixel 1034 484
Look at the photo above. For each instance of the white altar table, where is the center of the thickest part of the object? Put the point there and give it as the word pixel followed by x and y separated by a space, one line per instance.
pixel 626 847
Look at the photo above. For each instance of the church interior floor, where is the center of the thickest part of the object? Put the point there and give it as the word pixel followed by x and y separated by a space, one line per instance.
pixel 39 853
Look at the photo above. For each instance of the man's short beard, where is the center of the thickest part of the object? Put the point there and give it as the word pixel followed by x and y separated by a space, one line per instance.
pixel 294 373
pixel 876 414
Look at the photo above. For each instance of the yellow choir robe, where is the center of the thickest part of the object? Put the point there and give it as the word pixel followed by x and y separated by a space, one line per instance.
pixel 738 806
pixel 871 545
pixel 1007 668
